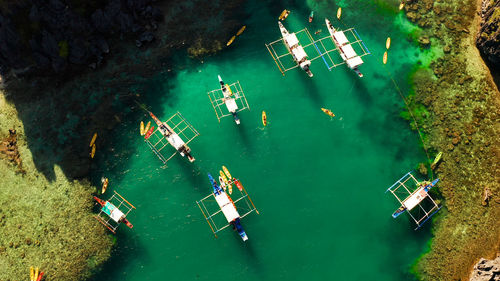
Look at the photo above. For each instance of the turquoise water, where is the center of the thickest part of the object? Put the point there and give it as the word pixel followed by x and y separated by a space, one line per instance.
pixel 317 181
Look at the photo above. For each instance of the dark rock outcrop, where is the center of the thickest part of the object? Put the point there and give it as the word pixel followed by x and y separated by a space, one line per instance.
pixel 488 39
pixel 486 270
pixel 57 36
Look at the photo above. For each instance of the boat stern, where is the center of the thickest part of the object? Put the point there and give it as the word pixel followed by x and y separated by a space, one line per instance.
pixel 305 66
pixel 236 118
pixel 239 228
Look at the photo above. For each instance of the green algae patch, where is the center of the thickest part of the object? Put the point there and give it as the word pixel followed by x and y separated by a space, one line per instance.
pixel 45 224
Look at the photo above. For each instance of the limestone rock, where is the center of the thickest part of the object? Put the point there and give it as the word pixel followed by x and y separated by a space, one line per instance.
pixel 488 38
pixel 486 270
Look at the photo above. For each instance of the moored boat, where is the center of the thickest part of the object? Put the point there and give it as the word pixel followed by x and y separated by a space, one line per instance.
pixel 346 51
pixel 295 49
pixel 229 100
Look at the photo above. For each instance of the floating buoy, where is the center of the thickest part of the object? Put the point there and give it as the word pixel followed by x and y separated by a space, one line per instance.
pixel 264 118
pixel 328 112
pixel 93 139
pixel 388 43
pixel 241 30
pixel 339 12
pixel 401 6
pixel 142 129
pixel 384 60
pixel 230 41
pixel 92 153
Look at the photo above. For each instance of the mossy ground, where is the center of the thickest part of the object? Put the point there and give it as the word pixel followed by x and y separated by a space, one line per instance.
pixel 463 122
pixel 47 224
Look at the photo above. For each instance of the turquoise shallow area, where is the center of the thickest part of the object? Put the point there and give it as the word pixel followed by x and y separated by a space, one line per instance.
pixel 318 182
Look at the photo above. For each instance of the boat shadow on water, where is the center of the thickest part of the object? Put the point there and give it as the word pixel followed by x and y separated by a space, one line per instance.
pixel 125 250
pixel 312 91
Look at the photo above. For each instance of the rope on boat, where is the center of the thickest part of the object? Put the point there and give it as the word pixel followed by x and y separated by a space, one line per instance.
pixel 411 114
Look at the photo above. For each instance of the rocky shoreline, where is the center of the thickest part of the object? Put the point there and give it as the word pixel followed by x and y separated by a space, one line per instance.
pixel 464 103
pixel 44 223
pixel 56 95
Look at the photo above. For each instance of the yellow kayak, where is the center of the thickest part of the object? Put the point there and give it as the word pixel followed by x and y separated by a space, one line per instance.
pixel 401 6
pixel 230 41
pixel 339 12
pixel 229 89
pixel 92 153
pixel 223 177
pixel 142 129
pixel 94 137
pixel 328 112
pixel 32 273
pixel 264 118
pixel 436 160
pixel 388 43
pixel 384 60
pixel 284 14
pixel 226 171
pixel 105 183
pixel 35 277
pixel 147 127
pixel 241 30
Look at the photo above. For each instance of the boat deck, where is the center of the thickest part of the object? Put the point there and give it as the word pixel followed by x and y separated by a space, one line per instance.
pixel 218 101
pixel 220 210
pixel 184 134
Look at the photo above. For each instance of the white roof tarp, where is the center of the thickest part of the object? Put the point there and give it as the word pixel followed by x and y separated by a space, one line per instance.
pixel 227 207
pixel 175 141
pixel 291 40
pixel 414 199
pixel 299 53
pixel 354 62
pixel 348 51
pixel 231 105
pixel 340 37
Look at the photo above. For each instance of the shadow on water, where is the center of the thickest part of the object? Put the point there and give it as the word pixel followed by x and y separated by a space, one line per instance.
pixel 125 250
pixel 120 141
pixel 312 89
pixel 243 130
pixel 60 117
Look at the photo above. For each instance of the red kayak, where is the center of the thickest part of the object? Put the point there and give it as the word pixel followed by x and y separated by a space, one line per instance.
pixel 238 184
pixel 149 133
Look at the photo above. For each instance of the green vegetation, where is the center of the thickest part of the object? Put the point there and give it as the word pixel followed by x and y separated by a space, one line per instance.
pixel 63 49
pixel 45 224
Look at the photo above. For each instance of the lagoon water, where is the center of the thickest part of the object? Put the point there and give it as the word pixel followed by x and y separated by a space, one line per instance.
pixel 317 181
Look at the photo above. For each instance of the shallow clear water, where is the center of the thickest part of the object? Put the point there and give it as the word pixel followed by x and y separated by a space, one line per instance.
pixel 318 182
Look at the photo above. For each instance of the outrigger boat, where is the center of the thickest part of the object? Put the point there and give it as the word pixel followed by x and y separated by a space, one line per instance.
pixel 170 132
pixel 234 101
pixel 110 215
pixel 227 206
pixel 414 198
pixel 346 51
pixel 294 47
